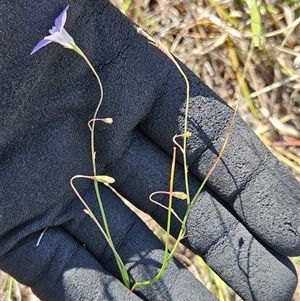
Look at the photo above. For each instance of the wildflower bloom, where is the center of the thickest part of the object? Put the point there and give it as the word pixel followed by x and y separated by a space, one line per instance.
pixel 57 34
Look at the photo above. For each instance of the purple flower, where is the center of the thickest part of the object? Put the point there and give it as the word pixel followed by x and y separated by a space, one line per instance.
pixel 57 34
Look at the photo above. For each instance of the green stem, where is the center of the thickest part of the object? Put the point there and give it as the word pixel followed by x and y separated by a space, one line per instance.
pixel 121 265
pixel 185 165
pixel 9 287
pixel 170 255
pixel 167 259
pixel 168 230
pixel 201 187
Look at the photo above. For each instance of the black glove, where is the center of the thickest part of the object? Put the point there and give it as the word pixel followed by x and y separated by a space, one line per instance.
pixel 244 224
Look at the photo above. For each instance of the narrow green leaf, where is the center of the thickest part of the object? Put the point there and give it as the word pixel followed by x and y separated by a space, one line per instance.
pixel 256 25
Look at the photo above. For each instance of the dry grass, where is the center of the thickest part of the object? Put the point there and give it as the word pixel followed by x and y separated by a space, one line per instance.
pixel 215 39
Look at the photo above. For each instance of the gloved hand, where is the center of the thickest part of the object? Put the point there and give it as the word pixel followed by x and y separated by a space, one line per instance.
pixel 244 224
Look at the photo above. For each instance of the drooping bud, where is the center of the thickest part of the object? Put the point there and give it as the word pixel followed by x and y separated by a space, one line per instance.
pixel 104 179
pixel 179 195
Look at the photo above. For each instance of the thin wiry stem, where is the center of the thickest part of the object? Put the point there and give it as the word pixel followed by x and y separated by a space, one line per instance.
pixel 168 230
pixel 168 256
pixel 108 237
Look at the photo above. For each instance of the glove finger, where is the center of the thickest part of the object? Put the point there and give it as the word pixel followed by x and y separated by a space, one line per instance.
pixel 140 250
pixel 213 231
pixel 59 268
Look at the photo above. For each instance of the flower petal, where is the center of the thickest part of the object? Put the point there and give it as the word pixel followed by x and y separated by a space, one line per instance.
pixel 57 37
pixel 67 37
pixel 40 44
pixel 61 19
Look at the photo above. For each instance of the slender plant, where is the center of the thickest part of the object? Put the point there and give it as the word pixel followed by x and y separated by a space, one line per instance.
pixel 168 255
pixel 59 35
